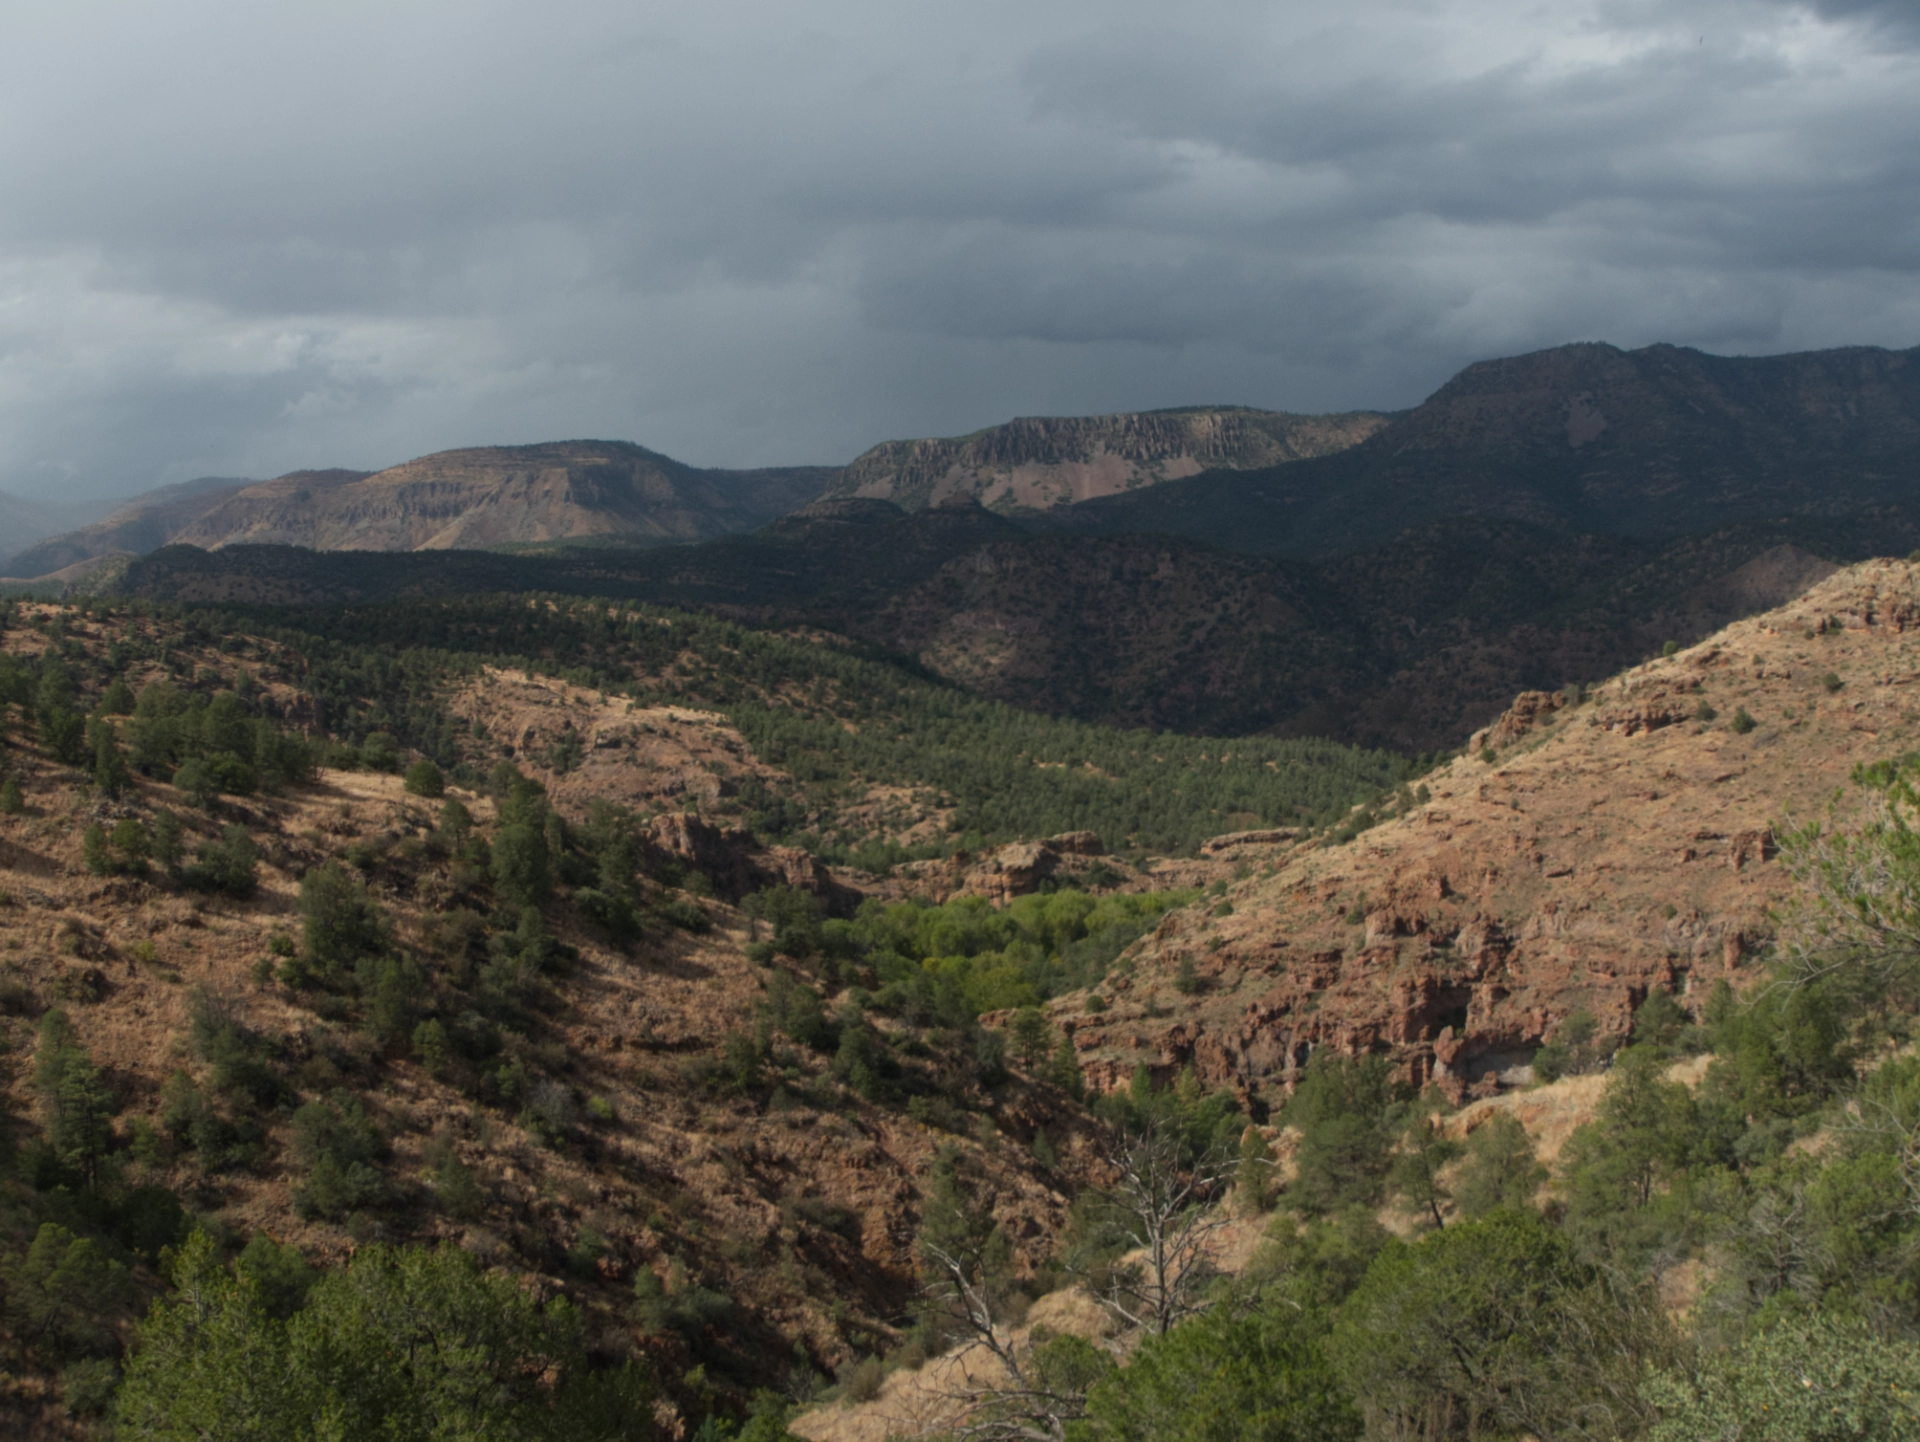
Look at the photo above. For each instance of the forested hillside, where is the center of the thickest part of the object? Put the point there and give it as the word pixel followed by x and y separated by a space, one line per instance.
pixel 304 957
pixel 837 721
pixel 1654 443
pixel 1409 645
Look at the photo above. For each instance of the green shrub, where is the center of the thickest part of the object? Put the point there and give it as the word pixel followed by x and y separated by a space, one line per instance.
pixel 675 1305
pixel 229 865
pixel 380 752
pixel 1494 1327
pixel 1500 1169
pixel 1806 1379
pixel 1578 1047
pixel 432 1047
pixel 686 915
pixel 406 1344
pixel 1219 1378
pixel 87 1386
pixel 337 1144
pixel 93 850
pixel 423 778
pixel 339 922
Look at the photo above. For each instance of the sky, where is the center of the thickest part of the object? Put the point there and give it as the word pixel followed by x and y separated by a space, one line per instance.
pixel 244 238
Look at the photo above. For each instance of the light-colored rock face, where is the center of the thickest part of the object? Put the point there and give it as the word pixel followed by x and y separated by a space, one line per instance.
pixel 581 745
pixel 1609 847
pixel 1037 462
pixel 467 499
pixel 499 495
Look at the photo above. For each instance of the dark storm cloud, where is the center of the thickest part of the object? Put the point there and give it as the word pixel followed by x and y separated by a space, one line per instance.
pixel 237 238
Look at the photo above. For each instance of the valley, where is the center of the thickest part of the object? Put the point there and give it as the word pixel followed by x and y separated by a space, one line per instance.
pixel 800 949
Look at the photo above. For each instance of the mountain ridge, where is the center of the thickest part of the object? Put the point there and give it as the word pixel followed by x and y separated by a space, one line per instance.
pixel 471 498
pixel 1036 462
pixel 1653 442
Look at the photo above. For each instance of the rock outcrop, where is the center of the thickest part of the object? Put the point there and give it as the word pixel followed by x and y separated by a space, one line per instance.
pixel 1611 847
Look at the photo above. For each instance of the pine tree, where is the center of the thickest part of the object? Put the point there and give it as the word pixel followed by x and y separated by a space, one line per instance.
pixel 1031 1034
pixel 94 851
pixel 168 843
pixel 1064 1072
pixel 74 1100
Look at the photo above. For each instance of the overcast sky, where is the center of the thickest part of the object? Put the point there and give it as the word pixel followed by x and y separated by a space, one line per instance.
pixel 240 238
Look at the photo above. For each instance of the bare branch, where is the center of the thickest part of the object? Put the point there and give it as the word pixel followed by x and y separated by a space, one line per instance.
pixel 1167 1215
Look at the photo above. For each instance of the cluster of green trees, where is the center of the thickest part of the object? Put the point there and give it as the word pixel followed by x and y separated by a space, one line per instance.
pixel 206 745
pixel 403 1343
pixel 74 1230
pixel 206 739
pixel 1503 1320
pixel 935 968
pixel 959 958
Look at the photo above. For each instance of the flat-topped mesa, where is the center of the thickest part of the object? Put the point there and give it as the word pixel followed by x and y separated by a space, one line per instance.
pixel 1613 845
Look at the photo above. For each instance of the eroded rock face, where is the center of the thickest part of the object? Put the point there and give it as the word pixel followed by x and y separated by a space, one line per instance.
pixel 1019 869
pixel 582 746
pixel 1529 710
pixel 738 864
pixel 1628 844
pixel 1236 840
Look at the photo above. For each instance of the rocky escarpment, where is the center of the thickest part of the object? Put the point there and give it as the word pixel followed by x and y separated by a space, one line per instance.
pixel 1040 461
pixel 1610 846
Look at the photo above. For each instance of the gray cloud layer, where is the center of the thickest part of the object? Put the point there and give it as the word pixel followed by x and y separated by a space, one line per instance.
pixel 237 239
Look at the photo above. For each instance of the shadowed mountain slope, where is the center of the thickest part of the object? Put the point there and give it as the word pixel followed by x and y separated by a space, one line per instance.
pixel 143 523
pixel 1654 442
pixel 25 521
pixel 1410 645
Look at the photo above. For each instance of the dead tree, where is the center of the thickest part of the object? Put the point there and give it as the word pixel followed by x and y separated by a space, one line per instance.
pixel 1030 1388
pixel 1164 1214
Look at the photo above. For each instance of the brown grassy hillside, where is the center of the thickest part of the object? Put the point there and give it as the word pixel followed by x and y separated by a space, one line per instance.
pixel 605 1134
